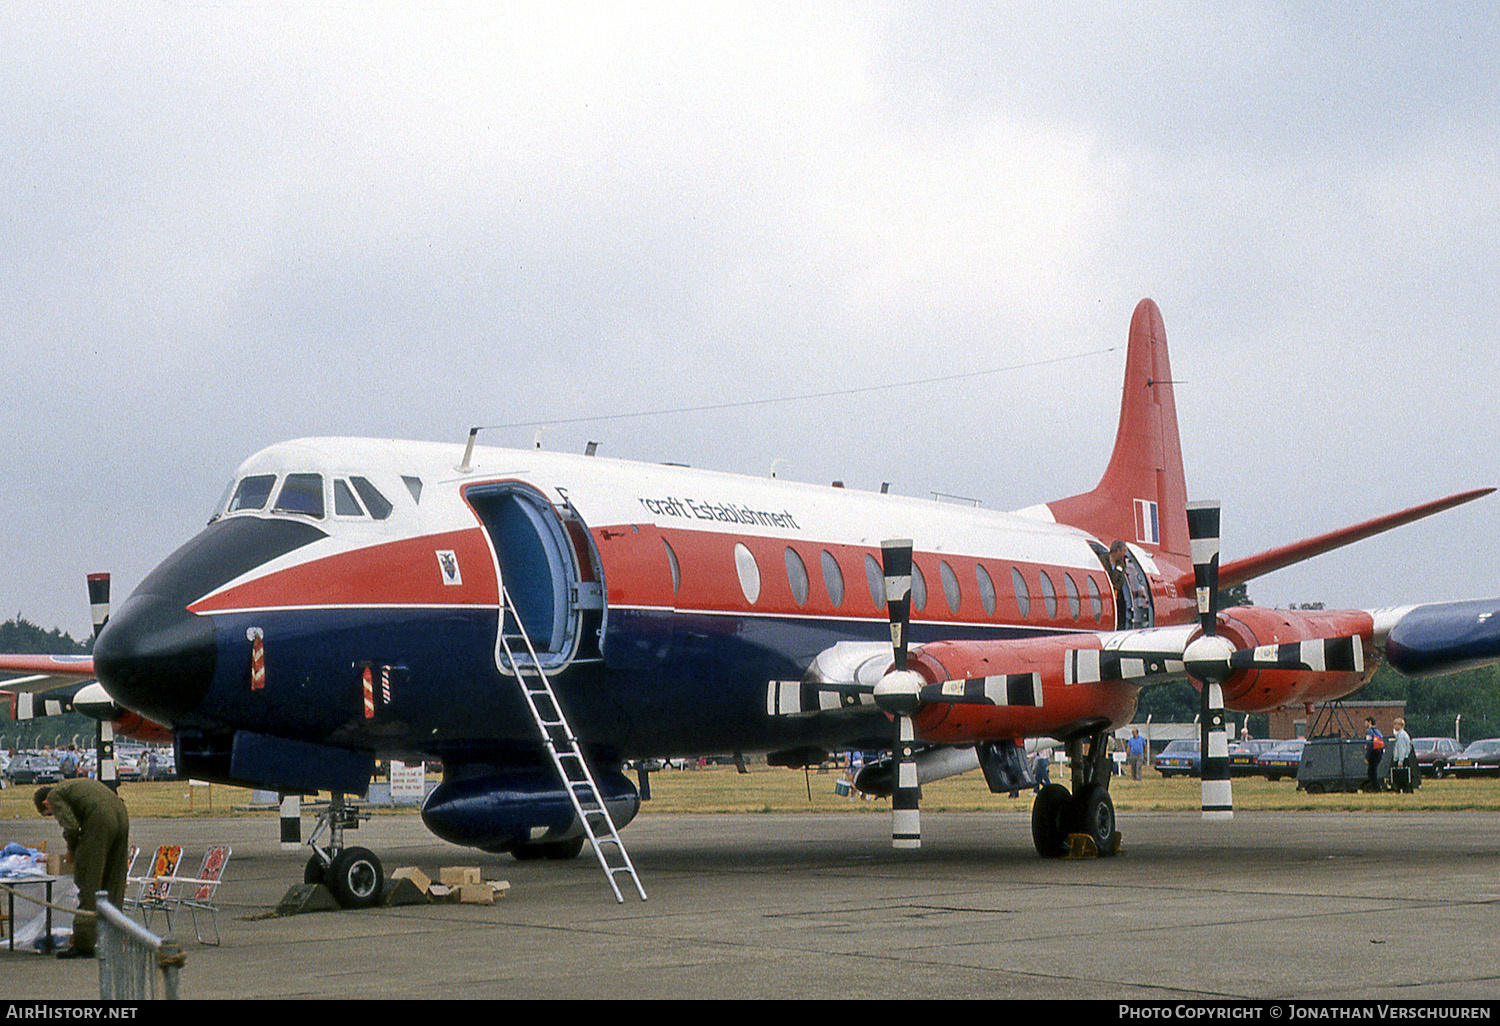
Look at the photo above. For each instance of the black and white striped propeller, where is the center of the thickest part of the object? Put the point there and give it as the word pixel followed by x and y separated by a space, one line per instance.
pixel 899 693
pixel 1208 659
pixel 93 699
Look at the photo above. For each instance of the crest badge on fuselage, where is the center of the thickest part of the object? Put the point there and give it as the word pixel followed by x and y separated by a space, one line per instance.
pixel 448 564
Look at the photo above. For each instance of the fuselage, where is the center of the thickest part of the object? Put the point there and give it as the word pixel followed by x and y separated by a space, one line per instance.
pixel 348 592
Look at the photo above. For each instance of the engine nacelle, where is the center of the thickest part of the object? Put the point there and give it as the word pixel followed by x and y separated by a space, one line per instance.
pixel 136 727
pixel 496 808
pixel 1329 640
pixel 1019 688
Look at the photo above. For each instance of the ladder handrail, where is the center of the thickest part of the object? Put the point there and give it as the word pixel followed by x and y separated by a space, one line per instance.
pixel 574 752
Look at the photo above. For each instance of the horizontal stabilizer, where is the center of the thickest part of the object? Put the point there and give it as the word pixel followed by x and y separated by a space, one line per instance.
pixel 1445 637
pixel 1242 570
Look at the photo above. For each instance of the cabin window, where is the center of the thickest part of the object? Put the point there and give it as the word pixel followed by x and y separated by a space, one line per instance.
pixel 1049 595
pixel 344 502
pixel 1023 593
pixel 301 493
pixel 252 493
pixel 875 577
pixel 378 505
pixel 986 588
pixel 796 575
pixel 1096 600
pixel 918 589
pixel 833 579
pixel 1075 603
pixel 749 571
pixel 950 585
pixel 673 566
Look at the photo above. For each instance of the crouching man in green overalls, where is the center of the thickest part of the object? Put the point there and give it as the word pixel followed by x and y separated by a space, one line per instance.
pixel 97 828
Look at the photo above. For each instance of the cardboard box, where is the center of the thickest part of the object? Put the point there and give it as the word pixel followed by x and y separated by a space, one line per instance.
pixel 443 894
pixel 476 894
pixel 457 876
pixel 416 876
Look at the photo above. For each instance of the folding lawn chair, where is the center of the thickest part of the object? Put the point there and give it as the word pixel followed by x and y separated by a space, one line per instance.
pixel 155 891
pixel 204 885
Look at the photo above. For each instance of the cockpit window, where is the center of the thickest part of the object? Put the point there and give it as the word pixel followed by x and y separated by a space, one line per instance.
pixel 413 485
pixel 344 502
pixel 378 505
pixel 252 493
pixel 302 493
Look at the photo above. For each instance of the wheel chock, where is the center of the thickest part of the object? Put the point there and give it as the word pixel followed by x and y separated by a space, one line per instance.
pixel 402 891
pixel 307 898
pixel 1082 846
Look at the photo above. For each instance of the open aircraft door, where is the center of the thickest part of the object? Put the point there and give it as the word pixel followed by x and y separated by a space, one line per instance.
pixel 544 559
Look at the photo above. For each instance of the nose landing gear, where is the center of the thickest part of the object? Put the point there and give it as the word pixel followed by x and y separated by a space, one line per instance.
pixel 354 875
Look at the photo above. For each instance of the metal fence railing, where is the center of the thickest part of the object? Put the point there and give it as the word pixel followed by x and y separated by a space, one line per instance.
pixel 133 961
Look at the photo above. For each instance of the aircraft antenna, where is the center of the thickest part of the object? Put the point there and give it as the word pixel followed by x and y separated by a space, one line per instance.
pixel 465 466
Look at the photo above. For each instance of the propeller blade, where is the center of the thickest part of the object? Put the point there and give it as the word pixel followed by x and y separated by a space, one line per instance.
pixel 1217 791
pixel 99 600
pixel 906 817
pixel 896 559
pixel 1208 659
pixel 1318 655
pixel 1203 538
pixel 899 693
pixel 104 736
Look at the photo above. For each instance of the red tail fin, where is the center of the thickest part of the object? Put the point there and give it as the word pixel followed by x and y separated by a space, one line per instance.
pixel 1142 497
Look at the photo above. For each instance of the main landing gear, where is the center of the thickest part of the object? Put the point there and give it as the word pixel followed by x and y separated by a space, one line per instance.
pixel 354 875
pixel 1058 813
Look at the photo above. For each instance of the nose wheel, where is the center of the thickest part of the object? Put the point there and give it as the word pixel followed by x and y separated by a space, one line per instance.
pixel 353 874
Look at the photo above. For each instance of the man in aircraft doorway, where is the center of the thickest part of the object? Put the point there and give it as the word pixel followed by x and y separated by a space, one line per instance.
pixel 1134 600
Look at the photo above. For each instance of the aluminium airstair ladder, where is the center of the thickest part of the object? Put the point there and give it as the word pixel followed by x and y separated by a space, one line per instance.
pixel 567 757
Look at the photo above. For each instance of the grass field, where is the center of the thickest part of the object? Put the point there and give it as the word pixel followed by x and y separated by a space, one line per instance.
pixel 722 789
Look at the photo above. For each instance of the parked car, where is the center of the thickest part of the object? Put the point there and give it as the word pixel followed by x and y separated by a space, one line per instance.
pixel 1180 758
pixel 1481 758
pixel 1282 759
pixel 1435 753
pixel 128 766
pixel 30 768
pixel 1244 756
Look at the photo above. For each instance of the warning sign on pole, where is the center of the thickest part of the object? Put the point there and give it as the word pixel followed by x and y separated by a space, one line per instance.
pixel 408 783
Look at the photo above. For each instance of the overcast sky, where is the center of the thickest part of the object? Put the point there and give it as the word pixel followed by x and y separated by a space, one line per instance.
pixel 228 224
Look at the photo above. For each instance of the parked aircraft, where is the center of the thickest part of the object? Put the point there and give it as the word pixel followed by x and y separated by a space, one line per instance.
pixel 534 619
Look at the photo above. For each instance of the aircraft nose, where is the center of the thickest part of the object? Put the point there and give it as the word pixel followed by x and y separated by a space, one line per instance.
pixel 156 658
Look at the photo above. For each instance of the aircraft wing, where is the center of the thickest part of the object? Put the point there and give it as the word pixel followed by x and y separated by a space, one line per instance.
pixel 44 672
pixel 47 684
pixel 1442 637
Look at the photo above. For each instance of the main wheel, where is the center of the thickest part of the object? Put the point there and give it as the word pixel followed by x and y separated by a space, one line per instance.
pixel 1094 814
pixel 559 851
pixel 1050 814
pixel 556 850
pixel 355 878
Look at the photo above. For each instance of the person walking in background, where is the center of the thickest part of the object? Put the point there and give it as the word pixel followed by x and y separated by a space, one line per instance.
pixel 1135 753
pixel 1374 751
pixel 1403 775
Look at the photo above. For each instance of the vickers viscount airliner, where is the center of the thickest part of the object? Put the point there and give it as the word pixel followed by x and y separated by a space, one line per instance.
pixel 533 620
